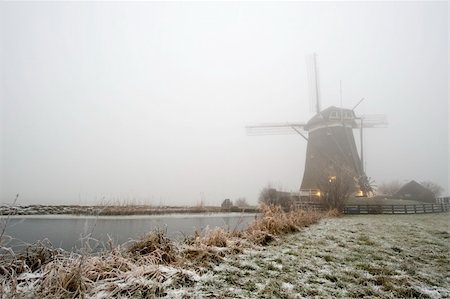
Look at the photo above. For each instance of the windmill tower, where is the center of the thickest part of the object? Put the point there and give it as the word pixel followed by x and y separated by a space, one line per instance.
pixel 331 147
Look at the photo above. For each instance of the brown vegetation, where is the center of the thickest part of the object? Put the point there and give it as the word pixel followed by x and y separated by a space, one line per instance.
pixel 130 270
pixel 156 247
pixel 276 222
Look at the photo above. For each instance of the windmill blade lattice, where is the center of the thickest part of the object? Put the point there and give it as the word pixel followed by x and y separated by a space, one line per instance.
pixel 274 129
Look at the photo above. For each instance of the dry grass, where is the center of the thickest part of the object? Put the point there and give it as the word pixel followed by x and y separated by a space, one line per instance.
pixel 135 270
pixel 31 259
pixel 65 279
pixel 201 256
pixel 155 247
pixel 274 221
pixel 217 237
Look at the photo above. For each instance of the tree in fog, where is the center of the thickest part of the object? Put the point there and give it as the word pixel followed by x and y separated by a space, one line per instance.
pixel 270 196
pixel 227 204
pixel 335 188
pixel 241 202
pixel 433 187
pixel 389 188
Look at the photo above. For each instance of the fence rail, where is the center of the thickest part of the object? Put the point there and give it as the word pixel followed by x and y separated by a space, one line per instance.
pixel 396 209
pixel 387 209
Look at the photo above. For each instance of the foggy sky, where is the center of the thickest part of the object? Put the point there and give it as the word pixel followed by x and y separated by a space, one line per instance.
pixel 147 102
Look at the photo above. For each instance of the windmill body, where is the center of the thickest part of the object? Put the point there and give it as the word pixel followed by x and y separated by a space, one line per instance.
pixel 331 150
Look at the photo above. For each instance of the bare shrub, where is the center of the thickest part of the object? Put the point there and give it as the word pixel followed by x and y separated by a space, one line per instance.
pixel 270 196
pixel 241 202
pixel 335 187
pixel 389 188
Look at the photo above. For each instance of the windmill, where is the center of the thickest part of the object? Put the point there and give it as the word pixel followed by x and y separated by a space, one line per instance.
pixel 331 147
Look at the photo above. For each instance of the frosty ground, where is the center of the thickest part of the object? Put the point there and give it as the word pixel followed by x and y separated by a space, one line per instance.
pixel 371 256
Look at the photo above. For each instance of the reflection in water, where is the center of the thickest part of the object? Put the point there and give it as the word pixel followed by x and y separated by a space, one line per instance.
pixel 72 232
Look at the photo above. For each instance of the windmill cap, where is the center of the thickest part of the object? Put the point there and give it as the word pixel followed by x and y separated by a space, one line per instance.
pixel 332 116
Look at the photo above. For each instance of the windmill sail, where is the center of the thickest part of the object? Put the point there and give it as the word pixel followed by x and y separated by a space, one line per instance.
pixel 373 121
pixel 313 82
pixel 274 128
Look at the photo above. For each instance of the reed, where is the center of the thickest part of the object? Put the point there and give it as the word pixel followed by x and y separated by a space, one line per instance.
pixel 142 268
pixel 274 222
pixel 156 247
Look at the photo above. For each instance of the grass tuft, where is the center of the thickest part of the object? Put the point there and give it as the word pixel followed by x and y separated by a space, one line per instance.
pixel 156 246
pixel 274 222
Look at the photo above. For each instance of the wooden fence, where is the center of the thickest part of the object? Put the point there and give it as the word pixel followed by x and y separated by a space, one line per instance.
pixel 387 209
pixel 396 209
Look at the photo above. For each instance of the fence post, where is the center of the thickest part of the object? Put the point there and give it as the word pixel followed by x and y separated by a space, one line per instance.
pixel 424 211
pixel 432 207
pixel 359 210
pixel 392 208
pixel 415 212
pixel 442 207
pixel 406 211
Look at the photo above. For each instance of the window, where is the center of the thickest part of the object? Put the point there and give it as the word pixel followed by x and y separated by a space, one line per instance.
pixel 334 115
pixel 348 115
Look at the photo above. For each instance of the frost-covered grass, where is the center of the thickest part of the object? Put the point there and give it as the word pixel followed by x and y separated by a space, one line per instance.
pixel 373 256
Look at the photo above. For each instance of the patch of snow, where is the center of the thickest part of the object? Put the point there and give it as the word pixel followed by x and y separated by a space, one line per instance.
pixel 287 286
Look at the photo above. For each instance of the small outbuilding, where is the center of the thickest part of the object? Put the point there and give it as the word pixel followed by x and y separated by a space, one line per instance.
pixel 415 191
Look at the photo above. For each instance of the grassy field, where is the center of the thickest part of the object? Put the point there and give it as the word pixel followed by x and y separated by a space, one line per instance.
pixel 370 256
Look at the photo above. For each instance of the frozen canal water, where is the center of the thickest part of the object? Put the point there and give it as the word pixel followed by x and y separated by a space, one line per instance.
pixel 69 232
